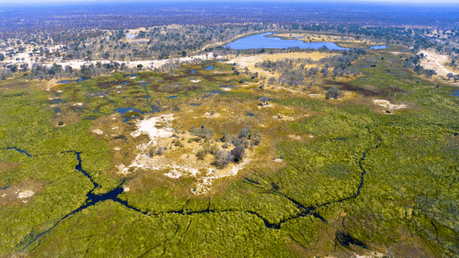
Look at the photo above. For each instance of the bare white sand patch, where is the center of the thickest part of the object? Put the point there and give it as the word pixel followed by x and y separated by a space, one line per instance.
pixel 386 104
pixel 311 136
pixel 115 127
pixel 97 131
pixel 3 195
pixel 126 189
pixel 117 148
pixel 206 185
pixel 226 89
pixel 26 194
pixel 278 160
pixel 195 81
pixel 150 125
pixel 122 169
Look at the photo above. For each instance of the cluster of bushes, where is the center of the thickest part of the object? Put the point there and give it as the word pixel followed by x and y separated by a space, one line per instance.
pixel 246 138
pixel 334 92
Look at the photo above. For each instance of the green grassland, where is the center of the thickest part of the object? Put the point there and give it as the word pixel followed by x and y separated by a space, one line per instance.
pixel 312 206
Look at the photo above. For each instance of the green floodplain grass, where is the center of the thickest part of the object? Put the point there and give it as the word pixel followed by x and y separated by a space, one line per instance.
pixel 409 195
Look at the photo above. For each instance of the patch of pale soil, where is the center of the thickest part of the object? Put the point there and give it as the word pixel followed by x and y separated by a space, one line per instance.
pixel 195 81
pixel 386 104
pixel 278 160
pixel 25 194
pixel 435 62
pixel 97 131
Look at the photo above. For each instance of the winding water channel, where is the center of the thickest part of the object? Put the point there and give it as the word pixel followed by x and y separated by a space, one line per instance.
pixel 93 199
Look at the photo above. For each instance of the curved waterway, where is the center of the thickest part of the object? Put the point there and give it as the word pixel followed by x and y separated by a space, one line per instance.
pixel 93 199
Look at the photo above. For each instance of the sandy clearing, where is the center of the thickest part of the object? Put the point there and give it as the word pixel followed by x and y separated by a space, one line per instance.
pixel 149 126
pixel 435 61
pixel 25 194
pixel 386 104
pixel 97 131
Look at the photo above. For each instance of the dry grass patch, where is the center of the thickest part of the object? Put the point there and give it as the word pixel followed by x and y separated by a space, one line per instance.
pixel 250 61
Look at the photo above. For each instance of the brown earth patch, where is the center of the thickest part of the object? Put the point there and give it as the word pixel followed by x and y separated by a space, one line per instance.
pixel 27 189
pixel 66 118
pixel 4 166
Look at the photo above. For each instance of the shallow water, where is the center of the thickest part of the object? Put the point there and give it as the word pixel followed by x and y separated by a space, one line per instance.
pixel 379 47
pixel 209 68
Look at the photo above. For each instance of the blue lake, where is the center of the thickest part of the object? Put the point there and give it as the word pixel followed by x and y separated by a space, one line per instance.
pixel 261 41
pixel 209 68
pixel 456 95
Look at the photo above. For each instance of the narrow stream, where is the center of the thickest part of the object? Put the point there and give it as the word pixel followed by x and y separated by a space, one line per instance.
pixel 93 199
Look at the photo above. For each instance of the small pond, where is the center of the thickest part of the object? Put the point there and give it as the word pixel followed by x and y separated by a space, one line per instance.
pixel 209 68
pixel 456 94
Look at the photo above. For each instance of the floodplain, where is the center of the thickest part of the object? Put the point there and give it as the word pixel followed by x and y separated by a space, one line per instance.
pixel 367 173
